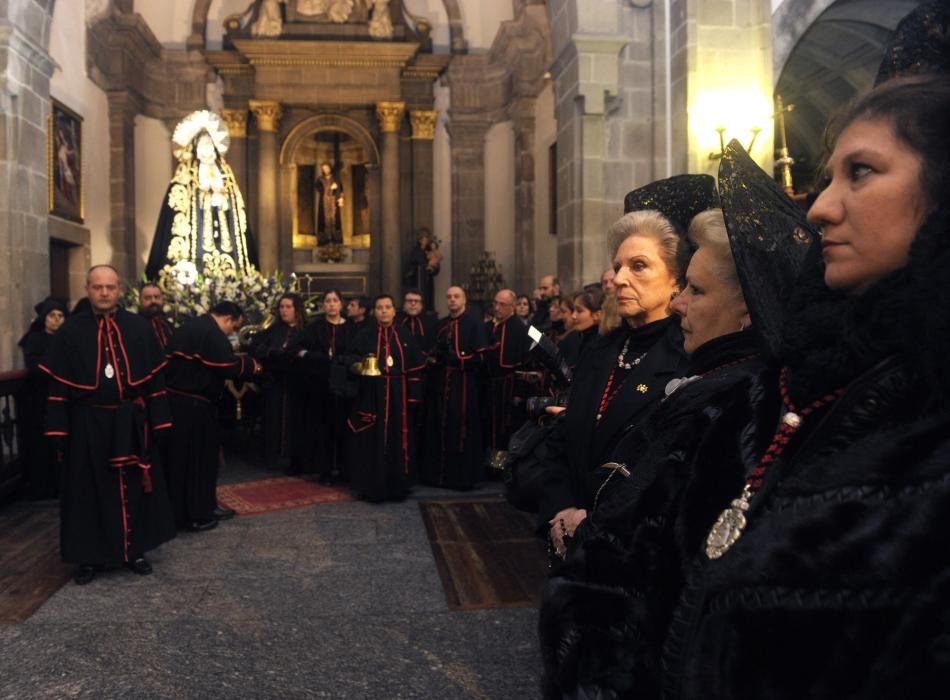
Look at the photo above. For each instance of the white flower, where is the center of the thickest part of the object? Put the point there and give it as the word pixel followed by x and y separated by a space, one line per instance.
pixel 186 273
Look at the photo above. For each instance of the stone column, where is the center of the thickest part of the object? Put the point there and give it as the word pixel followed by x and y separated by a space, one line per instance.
pixel 467 139
pixel 122 110
pixel 389 115
pixel 423 134
pixel 267 114
pixel 236 119
pixel 524 123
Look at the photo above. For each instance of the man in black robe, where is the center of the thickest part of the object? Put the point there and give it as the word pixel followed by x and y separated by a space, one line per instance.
pixel 548 288
pixel 200 360
pixel 357 309
pixel 506 355
pixel 454 448
pixel 152 308
pixel 420 324
pixel 381 444
pixel 107 407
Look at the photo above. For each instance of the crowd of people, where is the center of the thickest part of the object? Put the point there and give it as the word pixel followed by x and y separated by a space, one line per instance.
pixel 746 483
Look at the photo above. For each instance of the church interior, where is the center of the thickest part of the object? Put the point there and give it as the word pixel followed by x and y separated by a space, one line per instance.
pixel 508 132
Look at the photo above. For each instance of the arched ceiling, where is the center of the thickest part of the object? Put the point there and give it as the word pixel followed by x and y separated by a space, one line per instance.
pixel 836 59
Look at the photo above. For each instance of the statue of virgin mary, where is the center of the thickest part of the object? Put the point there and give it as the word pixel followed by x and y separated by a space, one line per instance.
pixel 203 220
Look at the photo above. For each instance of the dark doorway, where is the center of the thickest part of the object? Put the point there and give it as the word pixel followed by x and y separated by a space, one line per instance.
pixel 59 268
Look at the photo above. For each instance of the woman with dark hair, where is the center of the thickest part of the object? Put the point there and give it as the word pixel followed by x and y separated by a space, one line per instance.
pixel 623 374
pixel 828 574
pixel 43 469
pixel 281 392
pixel 585 318
pixel 320 346
pixel 523 308
pixel 379 422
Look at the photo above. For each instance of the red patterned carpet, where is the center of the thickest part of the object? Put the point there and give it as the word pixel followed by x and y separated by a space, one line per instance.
pixel 280 493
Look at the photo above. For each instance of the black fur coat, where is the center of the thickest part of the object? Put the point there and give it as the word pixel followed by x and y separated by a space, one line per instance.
pixel 840 584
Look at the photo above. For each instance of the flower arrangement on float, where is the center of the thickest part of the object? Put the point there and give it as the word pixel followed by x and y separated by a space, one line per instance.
pixel 190 292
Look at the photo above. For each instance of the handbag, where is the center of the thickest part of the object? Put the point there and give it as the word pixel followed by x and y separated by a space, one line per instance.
pixel 524 468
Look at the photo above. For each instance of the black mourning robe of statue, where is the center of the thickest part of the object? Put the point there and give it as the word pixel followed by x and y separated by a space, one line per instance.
pixel 454 447
pixel 605 402
pixel 107 399
pixel 282 393
pixel 329 222
pixel 200 360
pixel 323 440
pixel 42 471
pixel 504 357
pixel 380 422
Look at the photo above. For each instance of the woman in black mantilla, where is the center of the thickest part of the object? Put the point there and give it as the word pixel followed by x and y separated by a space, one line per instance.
pixel 605 615
pixel 835 580
pixel 43 472
pixel 622 374
pixel 281 389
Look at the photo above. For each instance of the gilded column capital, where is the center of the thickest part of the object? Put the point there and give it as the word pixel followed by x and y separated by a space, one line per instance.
pixel 389 115
pixel 267 113
pixel 423 124
pixel 236 119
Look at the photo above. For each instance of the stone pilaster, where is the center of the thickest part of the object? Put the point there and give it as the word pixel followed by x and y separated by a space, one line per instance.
pixel 390 117
pixel 122 110
pixel 524 124
pixel 467 141
pixel 423 135
pixel 236 119
pixel 267 114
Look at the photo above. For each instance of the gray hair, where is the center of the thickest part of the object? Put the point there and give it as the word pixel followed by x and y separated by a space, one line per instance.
pixel 708 230
pixel 651 224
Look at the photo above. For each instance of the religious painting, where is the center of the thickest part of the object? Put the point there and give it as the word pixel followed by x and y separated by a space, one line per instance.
pixel 65 163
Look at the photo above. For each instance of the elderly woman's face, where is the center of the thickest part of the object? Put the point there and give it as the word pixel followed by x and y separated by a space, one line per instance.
pixel 872 208
pixel 643 284
pixel 709 307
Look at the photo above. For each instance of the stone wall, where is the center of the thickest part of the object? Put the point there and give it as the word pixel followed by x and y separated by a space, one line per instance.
pixel 25 70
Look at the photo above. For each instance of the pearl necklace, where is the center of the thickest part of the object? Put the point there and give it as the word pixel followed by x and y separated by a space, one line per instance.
pixel 621 358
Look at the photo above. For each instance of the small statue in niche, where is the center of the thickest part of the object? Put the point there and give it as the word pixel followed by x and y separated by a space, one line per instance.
pixel 329 202
pixel 313 7
pixel 269 22
pixel 340 10
pixel 425 261
pixel 381 25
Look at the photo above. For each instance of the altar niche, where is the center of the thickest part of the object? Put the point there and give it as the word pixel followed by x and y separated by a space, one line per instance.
pixel 353 160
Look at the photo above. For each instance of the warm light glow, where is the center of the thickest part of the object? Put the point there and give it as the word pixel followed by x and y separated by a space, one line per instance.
pixel 739 111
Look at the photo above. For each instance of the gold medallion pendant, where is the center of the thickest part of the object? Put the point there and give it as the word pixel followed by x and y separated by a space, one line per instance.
pixel 389 361
pixel 729 526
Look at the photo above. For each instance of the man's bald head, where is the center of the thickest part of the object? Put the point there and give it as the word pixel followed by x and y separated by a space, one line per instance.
pixel 549 287
pixel 103 287
pixel 504 304
pixel 455 300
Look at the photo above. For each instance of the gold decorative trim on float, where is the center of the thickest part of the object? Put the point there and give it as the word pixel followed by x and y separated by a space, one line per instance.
pixel 390 116
pixel 423 124
pixel 267 113
pixel 236 119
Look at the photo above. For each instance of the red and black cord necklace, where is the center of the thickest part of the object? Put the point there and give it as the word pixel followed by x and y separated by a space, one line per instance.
pixel 732 521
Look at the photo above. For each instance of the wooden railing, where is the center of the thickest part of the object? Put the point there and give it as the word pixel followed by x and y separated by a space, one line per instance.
pixel 12 386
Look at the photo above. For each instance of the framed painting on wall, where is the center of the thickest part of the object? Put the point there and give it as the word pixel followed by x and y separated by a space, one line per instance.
pixel 65 163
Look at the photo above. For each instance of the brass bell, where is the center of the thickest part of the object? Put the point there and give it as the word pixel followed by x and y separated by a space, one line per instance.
pixel 370 366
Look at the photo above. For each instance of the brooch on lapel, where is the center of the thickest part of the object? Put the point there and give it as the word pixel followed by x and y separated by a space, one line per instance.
pixel 642 388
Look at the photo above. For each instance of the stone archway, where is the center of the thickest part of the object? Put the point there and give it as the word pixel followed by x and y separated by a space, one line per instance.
pixel 24 107
pixel 294 246
pixel 823 63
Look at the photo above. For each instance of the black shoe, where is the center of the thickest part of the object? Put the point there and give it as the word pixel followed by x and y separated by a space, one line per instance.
pixel 84 574
pixel 221 513
pixel 202 525
pixel 139 566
